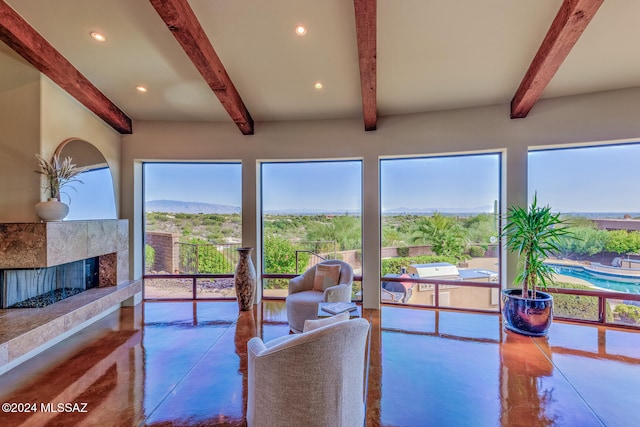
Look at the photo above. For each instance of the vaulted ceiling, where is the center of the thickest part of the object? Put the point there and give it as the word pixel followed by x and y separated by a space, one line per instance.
pixel 241 61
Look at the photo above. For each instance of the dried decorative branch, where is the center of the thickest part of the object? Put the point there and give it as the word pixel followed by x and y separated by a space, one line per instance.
pixel 58 173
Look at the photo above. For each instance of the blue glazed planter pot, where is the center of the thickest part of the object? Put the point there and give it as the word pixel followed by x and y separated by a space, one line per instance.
pixel 527 316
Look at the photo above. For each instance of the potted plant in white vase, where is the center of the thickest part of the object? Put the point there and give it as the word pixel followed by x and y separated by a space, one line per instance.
pixel 58 174
pixel 533 234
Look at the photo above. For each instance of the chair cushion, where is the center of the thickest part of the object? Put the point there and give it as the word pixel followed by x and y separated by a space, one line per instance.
pixel 310 325
pixel 326 275
pixel 302 306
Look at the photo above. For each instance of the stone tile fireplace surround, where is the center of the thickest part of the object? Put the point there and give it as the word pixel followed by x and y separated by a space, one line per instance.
pixel 27 331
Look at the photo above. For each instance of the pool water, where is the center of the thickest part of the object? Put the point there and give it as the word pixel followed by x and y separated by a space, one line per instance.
pixel 630 287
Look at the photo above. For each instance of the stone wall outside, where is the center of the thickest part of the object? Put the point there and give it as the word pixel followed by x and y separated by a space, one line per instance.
pixel 166 251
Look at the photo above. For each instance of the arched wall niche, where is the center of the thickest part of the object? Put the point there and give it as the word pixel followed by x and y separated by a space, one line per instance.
pixel 93 197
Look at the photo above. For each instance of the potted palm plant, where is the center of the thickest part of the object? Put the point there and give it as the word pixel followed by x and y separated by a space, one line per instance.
pixel 58 174
pixel 533 234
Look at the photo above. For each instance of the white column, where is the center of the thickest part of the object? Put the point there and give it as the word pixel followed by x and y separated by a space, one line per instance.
pixel 371 232
pixel 514 193
pixel 251 216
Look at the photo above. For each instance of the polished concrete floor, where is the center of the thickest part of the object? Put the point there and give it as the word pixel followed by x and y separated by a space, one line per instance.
pixel 184 364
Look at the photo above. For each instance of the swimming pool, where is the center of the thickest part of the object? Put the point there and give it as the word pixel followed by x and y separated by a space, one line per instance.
pixel 630 286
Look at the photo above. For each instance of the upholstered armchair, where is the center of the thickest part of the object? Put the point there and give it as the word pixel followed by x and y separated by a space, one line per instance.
pixel 328 281
pixel 311 379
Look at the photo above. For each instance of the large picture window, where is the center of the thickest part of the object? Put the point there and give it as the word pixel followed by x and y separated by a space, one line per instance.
pixel 192 226
pixel 311 211
pixel 439 219
pixel 594 190
pixel 589 181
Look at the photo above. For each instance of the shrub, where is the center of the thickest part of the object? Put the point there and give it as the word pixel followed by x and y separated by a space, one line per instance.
pixel 280 256
pixel 476 251
pixel 577 306
pixel 276 283
pixel 209 258
pixel 403 252
pixel 628 313
pixel 149 257
pixel 623 241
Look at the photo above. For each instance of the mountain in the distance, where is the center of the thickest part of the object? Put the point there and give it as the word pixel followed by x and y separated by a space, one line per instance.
pixel 176 206
pixel 301 211
pixel 431 211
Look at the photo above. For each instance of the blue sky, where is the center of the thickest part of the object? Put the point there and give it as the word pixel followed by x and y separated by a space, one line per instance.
pixel 312 185
pixel 218 183
pixel 91 199
pixel 469 181
pixel 596 179
pixel 441 182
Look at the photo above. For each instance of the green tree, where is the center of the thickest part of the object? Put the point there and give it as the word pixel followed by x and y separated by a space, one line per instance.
pixel 280 256
pixel 445 235
pixel 480 228
pixel 582 241
pixel 533 234
pixel 344 229
pixel 391 236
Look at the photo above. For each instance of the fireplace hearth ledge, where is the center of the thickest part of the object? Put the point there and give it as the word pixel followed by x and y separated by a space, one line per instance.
pixel 26 332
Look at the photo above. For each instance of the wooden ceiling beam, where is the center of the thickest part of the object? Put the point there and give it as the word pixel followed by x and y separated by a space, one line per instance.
pixel 185 27
pixel 28 43
pixel 567 27
pixel 365 11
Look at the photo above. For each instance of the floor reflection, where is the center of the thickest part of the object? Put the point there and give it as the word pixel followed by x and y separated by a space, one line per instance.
pixel 184 363
pixel 91 378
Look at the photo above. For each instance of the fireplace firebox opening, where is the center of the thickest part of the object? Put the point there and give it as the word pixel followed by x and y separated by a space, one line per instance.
pixel 39 287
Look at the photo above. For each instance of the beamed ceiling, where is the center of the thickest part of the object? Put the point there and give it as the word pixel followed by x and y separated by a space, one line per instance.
pixel 238 61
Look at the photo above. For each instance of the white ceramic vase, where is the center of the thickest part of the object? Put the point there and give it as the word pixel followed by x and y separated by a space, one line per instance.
pixel 52 210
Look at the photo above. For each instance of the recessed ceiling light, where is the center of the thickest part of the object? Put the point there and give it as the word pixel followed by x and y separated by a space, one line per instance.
pixel 98 36
pixel 300 30
pixel 141 88
pixel 318 85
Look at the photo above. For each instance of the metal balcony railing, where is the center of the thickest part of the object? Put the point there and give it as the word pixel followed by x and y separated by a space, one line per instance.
pixel 208 258
pixel 315 259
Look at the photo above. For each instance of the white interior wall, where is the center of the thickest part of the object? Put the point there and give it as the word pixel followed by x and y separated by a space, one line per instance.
pixel 587 119
pixel 63 117
pixel 36 116
pixel 19 137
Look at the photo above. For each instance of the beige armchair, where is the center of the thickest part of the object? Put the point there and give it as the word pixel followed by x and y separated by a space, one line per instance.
pixel 311 379
pixel 302 301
